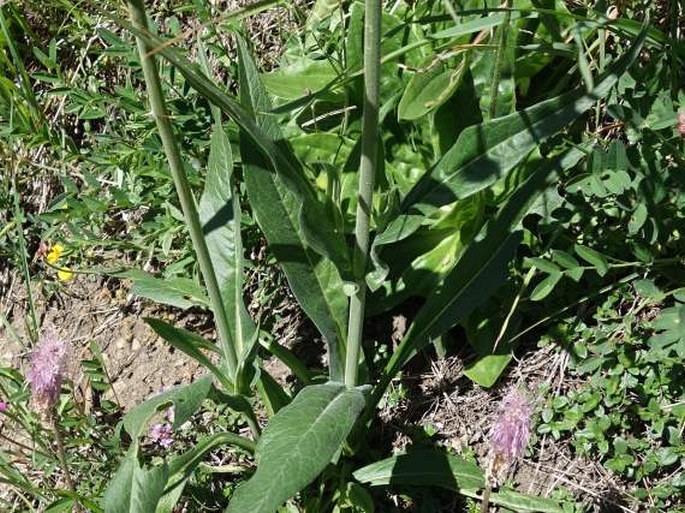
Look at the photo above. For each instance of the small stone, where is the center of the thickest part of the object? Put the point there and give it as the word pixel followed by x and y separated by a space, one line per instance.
pixel 135 344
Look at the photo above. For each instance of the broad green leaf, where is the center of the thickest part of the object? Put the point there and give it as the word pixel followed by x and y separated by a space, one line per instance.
pixel 322 148
pixel 178 292
pixel 220 217
pixel 485 370
pixel 481 269
pixel 670 328
pixel 186 399
pixel 429 89
pixel 483 332
pixel 277 157
pixel 182 467
pixel 135 489
pixel 423 260
pixel 679 294
pixel 544 265
pixel 648 289
pixel 564 259
pixel 638 219
pixel 594 258
pixel 303 77
pixel 313 279
pixel 545 287
pixel 297 445
pixel 487 152
pixel 428 467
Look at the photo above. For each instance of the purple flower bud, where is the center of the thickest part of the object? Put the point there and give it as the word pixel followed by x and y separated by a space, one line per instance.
pixel 48 365
pixel 3 406
pixel 509 435
pixel 161 435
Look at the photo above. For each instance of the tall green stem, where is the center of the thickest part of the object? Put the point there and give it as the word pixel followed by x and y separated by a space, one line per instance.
pixel 367 172
pixel 499 57
pixel 61 455
pixel 154 89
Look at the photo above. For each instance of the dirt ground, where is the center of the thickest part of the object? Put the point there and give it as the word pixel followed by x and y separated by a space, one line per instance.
pixel 85 310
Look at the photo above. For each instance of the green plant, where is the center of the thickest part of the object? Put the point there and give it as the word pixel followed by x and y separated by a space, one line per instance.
pixel 479 159
pixel 627 411
pixel 305 226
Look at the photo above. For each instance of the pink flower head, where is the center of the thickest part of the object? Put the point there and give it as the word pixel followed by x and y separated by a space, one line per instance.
pixel 161 435
pixel 509 435
pixel 48 365
pixel 3 406
pixel 681 123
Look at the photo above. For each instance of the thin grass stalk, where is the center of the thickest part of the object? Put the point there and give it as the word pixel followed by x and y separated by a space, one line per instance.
pixel 372 64
pixel 188 205
pixel 32 319
pixel 62 456
pixel 499 57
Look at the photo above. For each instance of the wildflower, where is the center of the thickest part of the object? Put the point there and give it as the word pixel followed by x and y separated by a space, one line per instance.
pixel 48 365
pixel 681 123
pixel 509 435
pixel 161 435
pixel 54 254
pixel 3 406
pixel 65 274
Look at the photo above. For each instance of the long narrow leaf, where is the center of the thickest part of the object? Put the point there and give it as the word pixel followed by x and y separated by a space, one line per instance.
pixel 432 467
pixel 313 279
pixel 220 216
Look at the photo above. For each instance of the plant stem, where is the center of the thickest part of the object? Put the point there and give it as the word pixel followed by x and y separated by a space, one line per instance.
pixel 372 58
pixel 154 89
pixel 485 501
pixel 499 57
pixel 61 454
pixel 32 319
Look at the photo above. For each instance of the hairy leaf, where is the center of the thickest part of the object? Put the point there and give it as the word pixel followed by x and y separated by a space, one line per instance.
pixel 135 489
pixel 297 445
pixel 313 279
pixel 220 217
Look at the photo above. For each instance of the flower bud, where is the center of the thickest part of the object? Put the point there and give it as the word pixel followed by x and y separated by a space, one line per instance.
pixel 48 365
pixel 509 434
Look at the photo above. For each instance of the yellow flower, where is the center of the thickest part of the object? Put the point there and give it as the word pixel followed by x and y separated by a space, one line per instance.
pixel 54 254
pixel 65 274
